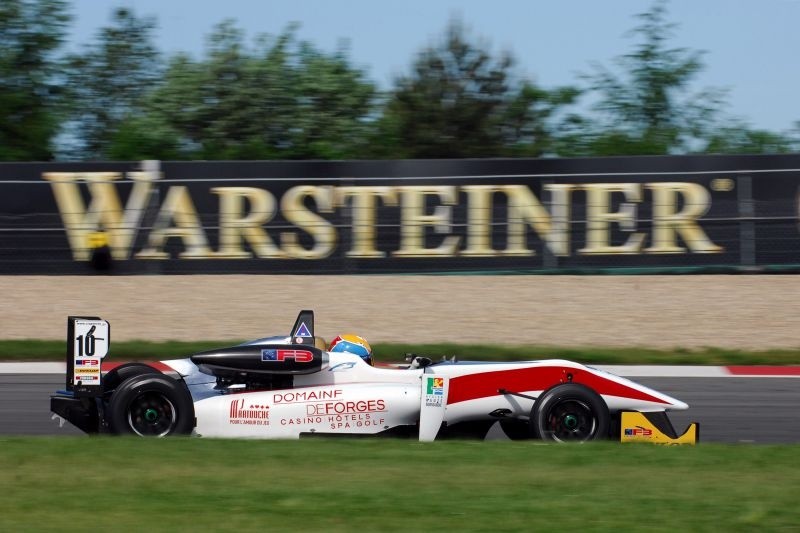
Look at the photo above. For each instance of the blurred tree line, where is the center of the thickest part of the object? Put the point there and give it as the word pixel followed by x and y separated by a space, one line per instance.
pixel 119 98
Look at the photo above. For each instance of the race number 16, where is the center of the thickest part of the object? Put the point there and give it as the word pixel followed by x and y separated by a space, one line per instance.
pixel 91 338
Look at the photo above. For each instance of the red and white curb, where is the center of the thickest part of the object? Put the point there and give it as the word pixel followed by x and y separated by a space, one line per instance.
pixel 634 371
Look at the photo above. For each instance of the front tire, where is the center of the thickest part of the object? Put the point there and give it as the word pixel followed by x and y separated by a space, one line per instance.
pixel 570 413
pixel 151 405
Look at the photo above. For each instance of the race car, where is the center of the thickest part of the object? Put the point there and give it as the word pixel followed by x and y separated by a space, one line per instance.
pixel 292 386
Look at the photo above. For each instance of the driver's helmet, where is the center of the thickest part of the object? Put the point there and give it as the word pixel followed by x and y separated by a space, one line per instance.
pixel 353 344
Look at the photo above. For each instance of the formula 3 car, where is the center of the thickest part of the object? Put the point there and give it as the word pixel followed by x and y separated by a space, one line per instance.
pixel 289 386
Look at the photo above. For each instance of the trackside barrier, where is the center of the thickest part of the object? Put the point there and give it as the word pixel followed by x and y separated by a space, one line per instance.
pixel 680 214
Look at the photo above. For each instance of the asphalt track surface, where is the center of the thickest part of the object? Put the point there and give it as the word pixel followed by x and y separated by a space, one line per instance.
pixel 762 410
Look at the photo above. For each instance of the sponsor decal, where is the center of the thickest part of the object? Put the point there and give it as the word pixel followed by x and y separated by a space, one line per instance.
pixel 84 371
pixel 638 431
pixel 299 356
pixel 678 209
pixel 336 414
pixel 436 386
pixel 87 362
pixel 90 339
pixel 306 396
pixel 335 422
pixel 433 401
pixel 301 421
pixel 341 366
pixel 303 331
pixel 85 378
pixel 346 408
pixel 361 420
pixel 434 396
pixel 244 413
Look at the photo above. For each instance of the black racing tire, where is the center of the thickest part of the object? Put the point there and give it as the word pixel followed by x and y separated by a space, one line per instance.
pixel 570 413
pixel 124 372
pixel 151 405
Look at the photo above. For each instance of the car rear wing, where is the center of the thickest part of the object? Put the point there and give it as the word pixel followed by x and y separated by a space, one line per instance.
pixel 88 340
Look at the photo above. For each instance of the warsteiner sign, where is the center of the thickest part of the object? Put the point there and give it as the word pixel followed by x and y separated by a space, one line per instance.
pixel 245 215
pixel 264 219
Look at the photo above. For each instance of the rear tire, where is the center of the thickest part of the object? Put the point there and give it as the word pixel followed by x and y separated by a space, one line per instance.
pixel 151 405
pixel 570 413
pixel 115 377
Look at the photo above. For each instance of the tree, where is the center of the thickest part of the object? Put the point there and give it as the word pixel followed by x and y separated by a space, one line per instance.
pixel 531 118
pixel 335 107
pixel 738 138
pixel 450 106
pixel 283 99
pixel 30 94
pixel 108 83
pixel 645 111
pixel 459 101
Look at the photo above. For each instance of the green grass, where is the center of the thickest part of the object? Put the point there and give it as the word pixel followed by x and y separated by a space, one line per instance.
pixel 120 484
pixel 37 350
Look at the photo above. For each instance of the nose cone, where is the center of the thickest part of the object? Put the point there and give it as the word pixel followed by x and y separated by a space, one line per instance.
pixel 672 403
pixel 677 405
pixel 641 393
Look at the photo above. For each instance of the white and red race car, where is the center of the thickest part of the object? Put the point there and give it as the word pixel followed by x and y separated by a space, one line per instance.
pixel 291 387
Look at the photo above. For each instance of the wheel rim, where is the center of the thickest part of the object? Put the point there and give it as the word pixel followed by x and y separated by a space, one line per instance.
pixel 570 420
pixel 151 414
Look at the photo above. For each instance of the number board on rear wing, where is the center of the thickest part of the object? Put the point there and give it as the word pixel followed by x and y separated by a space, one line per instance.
pixel 87 344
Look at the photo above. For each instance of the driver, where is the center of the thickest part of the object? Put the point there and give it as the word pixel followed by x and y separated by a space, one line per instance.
pixel 353 344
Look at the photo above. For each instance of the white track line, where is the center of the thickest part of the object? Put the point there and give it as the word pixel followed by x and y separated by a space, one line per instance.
pixel 33 368
pixel 666 371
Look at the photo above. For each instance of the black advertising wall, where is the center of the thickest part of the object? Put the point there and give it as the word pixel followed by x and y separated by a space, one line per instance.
pixel 644 214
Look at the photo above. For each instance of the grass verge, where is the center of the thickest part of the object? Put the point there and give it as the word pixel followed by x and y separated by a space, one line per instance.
pixel 38 350
pixel 121 484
